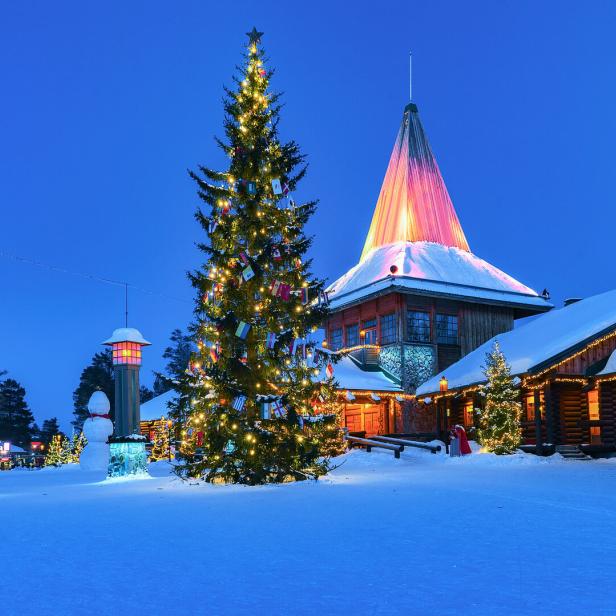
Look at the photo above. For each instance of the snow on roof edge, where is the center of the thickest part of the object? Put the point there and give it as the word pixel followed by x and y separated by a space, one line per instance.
pixel 535 344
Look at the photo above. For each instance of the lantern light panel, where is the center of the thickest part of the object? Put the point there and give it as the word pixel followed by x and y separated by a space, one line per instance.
pixel 126 353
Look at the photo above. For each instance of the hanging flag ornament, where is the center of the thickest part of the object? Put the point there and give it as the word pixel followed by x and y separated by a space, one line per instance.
pixel 285 189
pixel 238 403
pixel 248 273
pixel 276 187
pixel 281 289
pixel 276 255
pixel 242 330
pixel 270 340
pixel 302 294
pixel 212 226
pixel 244 258
pixel 323 298
pixel 278 410
pixel 214 353
pixel 329 371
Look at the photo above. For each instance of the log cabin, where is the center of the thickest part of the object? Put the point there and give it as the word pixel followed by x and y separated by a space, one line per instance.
pixel 419 299
pixel 565 362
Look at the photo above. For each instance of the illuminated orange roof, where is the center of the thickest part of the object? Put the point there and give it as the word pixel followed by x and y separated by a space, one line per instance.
pixel 414 204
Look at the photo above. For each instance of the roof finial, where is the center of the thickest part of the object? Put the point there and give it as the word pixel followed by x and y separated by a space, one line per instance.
pixel 410 77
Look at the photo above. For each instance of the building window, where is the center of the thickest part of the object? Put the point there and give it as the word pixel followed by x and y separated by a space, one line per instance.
pixel 593 415
pixel 447 329
pixel 352 335
pixel 529 406
pixel 389 331
pixel 369 329
pixel 335 339
pixel 418 326
pixel 468 413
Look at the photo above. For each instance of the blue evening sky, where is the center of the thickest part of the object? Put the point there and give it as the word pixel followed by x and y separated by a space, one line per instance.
pixel 105 105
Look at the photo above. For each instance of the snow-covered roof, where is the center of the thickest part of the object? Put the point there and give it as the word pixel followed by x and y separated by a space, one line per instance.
pixel 432 269
pixel 534 344
pixel 127 334
pixel 610 367
pixel 349 375
pixel 157 407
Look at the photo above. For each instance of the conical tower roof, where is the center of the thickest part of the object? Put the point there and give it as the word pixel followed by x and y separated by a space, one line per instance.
pixel 414 204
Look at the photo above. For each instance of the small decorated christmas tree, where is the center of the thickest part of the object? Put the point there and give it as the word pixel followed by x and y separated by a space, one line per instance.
pixel 77 444
pixel 500 430
pixel 246 406
pixel 160 448
pixel 56 451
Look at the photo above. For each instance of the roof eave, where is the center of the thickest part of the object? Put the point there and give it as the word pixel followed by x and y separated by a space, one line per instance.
pixel 521 309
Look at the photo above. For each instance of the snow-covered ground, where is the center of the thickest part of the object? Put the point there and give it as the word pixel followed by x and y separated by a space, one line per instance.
pixel 424 534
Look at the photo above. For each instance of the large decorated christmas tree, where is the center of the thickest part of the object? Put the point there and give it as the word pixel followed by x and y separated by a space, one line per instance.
pixel 500 430
pixel 247 404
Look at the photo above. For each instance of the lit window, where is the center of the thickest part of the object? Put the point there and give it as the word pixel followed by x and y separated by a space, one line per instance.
pixel 369 329
pixel 418 326
pixel 447 329
pixel 468 413
pixel 593 415
pixel 529 405
pixel 389 331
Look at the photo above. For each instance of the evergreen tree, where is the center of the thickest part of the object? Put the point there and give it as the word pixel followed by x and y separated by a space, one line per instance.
pixel 57 453
pixel 145 394
pixel 15 417
pixel 76 445
pixel 500 430
pixel 160 448
pixel 98 375
pixel 178 355
pixel 49 430
pixel 251 379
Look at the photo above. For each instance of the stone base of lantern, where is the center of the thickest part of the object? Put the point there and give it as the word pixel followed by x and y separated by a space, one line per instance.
pixel 127 456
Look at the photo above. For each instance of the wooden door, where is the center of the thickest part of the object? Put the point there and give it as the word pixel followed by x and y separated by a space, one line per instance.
pixel 372 414
pixel 353 418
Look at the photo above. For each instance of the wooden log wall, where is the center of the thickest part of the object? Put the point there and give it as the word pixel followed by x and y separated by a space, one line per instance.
pixel 607 412
pixel 579 364
pixel 569 407
pixel 480 323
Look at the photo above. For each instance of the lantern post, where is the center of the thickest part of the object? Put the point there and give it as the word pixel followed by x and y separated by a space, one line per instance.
pixel 127 455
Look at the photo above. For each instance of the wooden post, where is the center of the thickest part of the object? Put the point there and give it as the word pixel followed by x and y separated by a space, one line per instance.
pixel 549 414
pixel 538 436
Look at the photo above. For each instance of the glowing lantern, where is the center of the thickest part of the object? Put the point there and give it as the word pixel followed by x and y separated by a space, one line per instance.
pixel 126 344
pixel 443 383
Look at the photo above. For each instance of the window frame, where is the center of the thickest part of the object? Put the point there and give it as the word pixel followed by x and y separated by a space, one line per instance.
pixel 347 342
pixel 449 318
pixel 335 334
pixel 425 339
pixel 392 328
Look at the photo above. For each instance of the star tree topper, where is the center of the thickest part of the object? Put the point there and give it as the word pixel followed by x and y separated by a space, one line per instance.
pixel 254 37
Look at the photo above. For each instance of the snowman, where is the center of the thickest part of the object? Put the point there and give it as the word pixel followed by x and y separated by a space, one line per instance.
pixel 97 428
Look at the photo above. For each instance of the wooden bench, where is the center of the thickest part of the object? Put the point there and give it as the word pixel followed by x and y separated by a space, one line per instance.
pixel 369 444
pixel 405 443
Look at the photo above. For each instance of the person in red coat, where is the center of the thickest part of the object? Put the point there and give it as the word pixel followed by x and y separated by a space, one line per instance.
pixel 465 448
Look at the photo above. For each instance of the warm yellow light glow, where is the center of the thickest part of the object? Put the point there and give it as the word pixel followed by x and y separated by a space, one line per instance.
pixel 443 384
